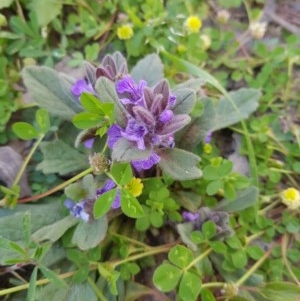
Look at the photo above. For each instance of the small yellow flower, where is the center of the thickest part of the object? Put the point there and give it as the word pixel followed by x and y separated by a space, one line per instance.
pixel 193 24
pixel 207 148
pixel 124 32
pixel 181 48
pixel 291 198
pixel 135 186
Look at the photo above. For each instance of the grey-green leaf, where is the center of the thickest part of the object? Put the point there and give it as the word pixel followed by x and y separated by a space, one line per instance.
pixel 44 86
pixel 245 102
pixel 150 69
pixel 61 158
pixel 179 164
pixel 89 235
pixel 185 101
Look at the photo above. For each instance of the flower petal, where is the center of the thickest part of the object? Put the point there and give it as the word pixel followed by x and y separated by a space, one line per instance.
pixel 114 134
pixel 145 164
pixel 177 123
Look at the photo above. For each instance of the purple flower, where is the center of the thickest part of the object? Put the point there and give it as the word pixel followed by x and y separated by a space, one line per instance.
pixel 151 122
pixel 89 143
pixel 77 209
pixel 82 86
pixel 190 216
pixel 109 185
pixel 131 92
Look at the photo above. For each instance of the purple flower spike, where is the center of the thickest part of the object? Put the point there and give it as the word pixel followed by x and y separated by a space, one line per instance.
pixel 190 216
pixel 82 86
pixel 135 131
pixel 166 116
pixel 77 210
pixel 133 93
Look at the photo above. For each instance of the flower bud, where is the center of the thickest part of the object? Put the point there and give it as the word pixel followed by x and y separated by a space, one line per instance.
pixel 3 21
pixel 99 163
pixel 223 16
pixel 258 29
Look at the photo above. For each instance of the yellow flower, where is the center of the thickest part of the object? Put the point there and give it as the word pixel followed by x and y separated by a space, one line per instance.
pixel 124 32
pixel 135 186
pixel 207 148
pixel 193 24
pixel 291 198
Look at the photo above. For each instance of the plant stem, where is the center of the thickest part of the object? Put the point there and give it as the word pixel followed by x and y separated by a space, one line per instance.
pixel 152 251
pixel 38 282
pixel 26 161
pixel 253 268
pixel 58 187
pixel 199 258
pixel 96 289
pixel 213 284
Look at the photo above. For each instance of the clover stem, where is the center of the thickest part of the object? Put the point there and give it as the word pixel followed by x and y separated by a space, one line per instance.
pixel 96 289
pixel 58 187
pixel 26 161
pixel 199 258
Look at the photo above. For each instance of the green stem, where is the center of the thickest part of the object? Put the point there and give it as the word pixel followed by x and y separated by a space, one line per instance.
pixel 253 268
pixel 199 258
pixel 254 236
pixel 272 205
pixel 38 282
pixel 96 289
pixel 133 241
pixel 58 187
pixel 213 284
pixel 152 251
pixel 26 161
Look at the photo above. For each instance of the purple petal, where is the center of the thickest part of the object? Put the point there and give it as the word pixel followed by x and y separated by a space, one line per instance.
pixel 114 134
pixel 108 185
pixel 166 116
pixel 208 137
pixel 80 87
pixel 145 164
pixel 135 131
pixel 89 143
pixel 189 216
pixel 172 100
pixel 117 202
pixel 69 203
pixel 167 141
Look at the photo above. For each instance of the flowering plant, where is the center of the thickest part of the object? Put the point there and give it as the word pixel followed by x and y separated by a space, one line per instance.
pixel 149 166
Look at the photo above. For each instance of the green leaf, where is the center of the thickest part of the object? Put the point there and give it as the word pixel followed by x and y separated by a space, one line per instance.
pixel 32 285
pixel 46 11
pixel 181 256
pixel 104 202
pixel 279 291
pixel 255 252
pixel 125 151
pixel 166 277
pixel 150 69
pixel 106 91
pixel 76 192
pixel 130 205
pixel 25 130
pixel 89 235
pixel 179 164
pixel 5 3
pixel 54 231
pixel 209 229
pixel 207 295
pixel 86 120
pixel 91 103
pixel 213 187
pixel 245 102
pixel 239 259
pixel 218 247
pixel 52 276
pixel 27 228
pixel 184 231
pixel 190 286
pixel 211 173
pixel 80 292
pixel 122 172
pixel 46 87
pixel 229 191
pixel 245 198
pixel 42 120
pixel 61 158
